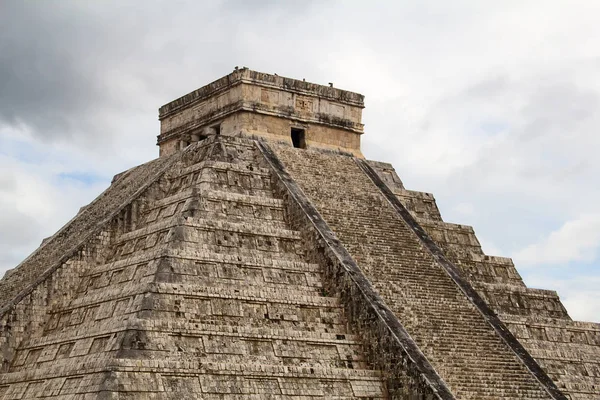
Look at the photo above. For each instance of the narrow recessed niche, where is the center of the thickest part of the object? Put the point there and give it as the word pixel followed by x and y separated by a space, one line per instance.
pixel 298 138
pixel 198 138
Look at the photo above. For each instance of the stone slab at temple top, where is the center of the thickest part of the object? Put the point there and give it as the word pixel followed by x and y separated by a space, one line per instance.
pixel 252 103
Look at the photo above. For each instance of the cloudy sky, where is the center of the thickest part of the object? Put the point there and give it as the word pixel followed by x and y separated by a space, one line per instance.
pixel 492 106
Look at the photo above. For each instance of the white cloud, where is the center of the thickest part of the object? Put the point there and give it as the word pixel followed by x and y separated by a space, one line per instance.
pixel 576 240
pixel 35 201
pixel 489 247
pixel 582 299
pixel 464 209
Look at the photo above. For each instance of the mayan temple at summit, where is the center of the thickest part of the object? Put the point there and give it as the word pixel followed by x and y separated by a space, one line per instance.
pixel 261 256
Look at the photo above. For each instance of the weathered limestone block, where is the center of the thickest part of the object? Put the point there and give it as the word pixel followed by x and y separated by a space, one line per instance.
pixel 499 283
pixel 508 299
pixel 419 293
pixel 212 273
pixel 568 350
pixel 254 104
pixel 481 269
pixel 458 241
pixel 201 288
pixel 421 204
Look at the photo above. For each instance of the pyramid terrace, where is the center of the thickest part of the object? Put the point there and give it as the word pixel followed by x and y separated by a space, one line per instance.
pixel 261 256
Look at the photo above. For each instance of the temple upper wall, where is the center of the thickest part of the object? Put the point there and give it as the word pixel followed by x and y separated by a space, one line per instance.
pixel 252 103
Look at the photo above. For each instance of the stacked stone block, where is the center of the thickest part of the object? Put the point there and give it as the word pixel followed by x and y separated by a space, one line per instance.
pixel 568 350
pixel 202 290
pixel 453 335
pixel 199 276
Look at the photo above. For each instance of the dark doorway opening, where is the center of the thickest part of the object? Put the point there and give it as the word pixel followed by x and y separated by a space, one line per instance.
pixel 298 138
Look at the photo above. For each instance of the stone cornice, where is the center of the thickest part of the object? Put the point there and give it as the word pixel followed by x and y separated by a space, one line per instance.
pixel 264 80
pixel 259 109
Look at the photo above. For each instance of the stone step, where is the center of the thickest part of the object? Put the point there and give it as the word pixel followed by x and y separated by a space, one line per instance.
pixel 240 167
pixel 134 297
pixel 568 352
pixel 433 309
pixel 228 371
pixel 324 356
pixel 523 300
pixel 220 235
pixel 166 205
pixel 260 256
pixel 420 204
pixel 231 275
pixel 214 346
pixel 262 294
pixel 159 327
pixel 150 386
pixel 241 176
pixel 313 324
pixel 236 178
pixel 242 172
pixel 490 269
pixel 262 318
pixel 248 260
pixel 247 331
pixel 258 190
pixel 262 229
pixel 254 370
pixel 581 386
pixel 242 198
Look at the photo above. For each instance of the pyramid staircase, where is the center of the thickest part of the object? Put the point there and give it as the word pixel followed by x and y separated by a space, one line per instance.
pixel 237 267
pixel 240 270
pixel 567 350
pixel 451 331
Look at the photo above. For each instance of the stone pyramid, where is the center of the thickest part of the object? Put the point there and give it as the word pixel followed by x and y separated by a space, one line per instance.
pixel 262 257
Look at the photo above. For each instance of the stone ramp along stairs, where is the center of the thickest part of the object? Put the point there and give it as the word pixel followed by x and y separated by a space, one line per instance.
pixel 192 286
pixel 567 350
pixel 447 323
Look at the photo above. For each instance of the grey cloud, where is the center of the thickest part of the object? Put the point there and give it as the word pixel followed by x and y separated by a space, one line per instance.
pixel 70 70
pixel 57 61
pixel 537 168
pixel 488 87
pixel 42 83
pixel 550 119
pixel 17 228
pixel 8 183
pixel 260 6
pixel 529 177
pixel 559 109
pixel 19 234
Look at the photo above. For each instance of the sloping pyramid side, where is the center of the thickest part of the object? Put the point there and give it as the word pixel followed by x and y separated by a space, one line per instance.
pixel 452 333
pixel 194 287
pixel 569 351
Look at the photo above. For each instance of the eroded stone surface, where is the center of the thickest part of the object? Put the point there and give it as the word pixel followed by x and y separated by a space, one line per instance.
pixel 202 290
pixel 453 335
pixel 225 271
pixel 569 351
pixel 269 106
